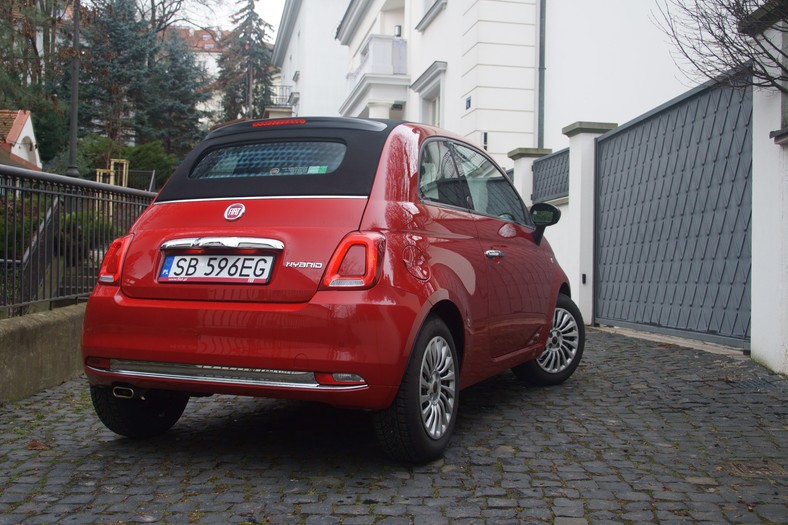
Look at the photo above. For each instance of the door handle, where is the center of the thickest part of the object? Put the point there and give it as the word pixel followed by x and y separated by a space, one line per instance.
pixel 494 254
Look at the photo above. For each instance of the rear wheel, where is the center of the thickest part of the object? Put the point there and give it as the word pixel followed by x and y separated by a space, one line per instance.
pixel 151 415
pixel 563 351
pixel 419 423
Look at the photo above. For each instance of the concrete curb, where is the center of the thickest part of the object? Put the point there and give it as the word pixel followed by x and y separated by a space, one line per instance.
pixel 39 351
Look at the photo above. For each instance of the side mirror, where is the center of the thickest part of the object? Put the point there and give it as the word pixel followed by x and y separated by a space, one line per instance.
pixel 544 215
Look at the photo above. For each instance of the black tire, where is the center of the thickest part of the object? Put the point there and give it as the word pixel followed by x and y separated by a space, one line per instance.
pixel 140 418
pixel 418 425
pixel 563 351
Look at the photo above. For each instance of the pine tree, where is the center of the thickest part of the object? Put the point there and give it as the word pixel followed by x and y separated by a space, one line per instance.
pixel 114 75
pixel 245 65
pixel 29 66
pixel 168 107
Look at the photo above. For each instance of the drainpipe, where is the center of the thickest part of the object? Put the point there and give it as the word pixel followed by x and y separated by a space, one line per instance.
pixel 540 109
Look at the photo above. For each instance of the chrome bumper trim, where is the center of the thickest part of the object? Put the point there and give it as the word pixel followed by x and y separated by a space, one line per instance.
pixel 225 375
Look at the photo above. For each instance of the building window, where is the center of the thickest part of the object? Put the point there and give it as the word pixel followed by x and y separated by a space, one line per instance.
pixel 429 87
pixel 434 111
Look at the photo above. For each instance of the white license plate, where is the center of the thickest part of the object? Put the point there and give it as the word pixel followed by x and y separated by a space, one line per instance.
pixel 239 269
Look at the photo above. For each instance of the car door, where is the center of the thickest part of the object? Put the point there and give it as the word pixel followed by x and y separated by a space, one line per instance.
pixel 518 281
pixel 454 253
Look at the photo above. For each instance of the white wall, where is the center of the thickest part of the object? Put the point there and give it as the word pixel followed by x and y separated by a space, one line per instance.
pixel 607 61
pixel 439 42
pixel 769 290
pixel 320 59
pixel 322 89
pixel 490 50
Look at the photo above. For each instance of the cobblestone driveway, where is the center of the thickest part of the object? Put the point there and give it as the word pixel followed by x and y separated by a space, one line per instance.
pixel 643 433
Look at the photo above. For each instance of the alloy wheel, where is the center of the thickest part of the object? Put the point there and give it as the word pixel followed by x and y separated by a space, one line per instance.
pixel 437 387
pixel 562 344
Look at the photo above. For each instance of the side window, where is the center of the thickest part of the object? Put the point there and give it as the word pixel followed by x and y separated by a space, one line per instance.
pixel 491 192
pixel 439 180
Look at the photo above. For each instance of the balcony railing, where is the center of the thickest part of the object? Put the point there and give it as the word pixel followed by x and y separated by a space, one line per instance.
pixel 280 96
pixel 55 231
pixel 381 55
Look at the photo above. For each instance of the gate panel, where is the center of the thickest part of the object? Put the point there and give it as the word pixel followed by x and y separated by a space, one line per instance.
pixel 673 219
pixel 551 177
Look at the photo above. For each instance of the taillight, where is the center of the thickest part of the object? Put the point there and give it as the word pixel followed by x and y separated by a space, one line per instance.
pixel 109 273
pixel 278 122
pixel 356 263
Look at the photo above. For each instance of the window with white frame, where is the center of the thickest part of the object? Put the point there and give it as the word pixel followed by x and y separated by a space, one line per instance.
pixel 429 87
pixel 433 111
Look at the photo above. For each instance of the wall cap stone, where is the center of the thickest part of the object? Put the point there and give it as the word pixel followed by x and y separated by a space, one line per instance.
pixel 519 153
pixel 588 127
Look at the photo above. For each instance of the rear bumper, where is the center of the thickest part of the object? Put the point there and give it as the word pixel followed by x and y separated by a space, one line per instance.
pixel 268 350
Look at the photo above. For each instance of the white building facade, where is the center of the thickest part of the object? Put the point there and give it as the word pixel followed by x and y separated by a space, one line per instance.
pixel 469 66
pixel 312 64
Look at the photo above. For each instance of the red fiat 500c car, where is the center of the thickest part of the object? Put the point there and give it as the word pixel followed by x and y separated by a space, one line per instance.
pixel 369 264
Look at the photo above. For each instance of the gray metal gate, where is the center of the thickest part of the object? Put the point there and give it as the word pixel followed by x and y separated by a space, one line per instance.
pixel 673 218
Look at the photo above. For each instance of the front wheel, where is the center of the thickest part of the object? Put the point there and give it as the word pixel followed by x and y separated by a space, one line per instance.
pixel 139 418
pixel 563 351
pixel 419 423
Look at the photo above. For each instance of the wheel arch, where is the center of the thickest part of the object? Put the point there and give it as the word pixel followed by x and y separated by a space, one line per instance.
pixel 448 312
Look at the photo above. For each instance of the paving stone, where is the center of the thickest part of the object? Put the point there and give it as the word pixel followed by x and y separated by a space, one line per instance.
pixel 394 521
pixel 603 504
pixel 570 521
pixel 323 520
pixel 640 434
pixel 359 520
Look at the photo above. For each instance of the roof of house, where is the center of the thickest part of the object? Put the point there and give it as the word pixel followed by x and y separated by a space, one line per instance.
pixel 12 123
pixel 201 40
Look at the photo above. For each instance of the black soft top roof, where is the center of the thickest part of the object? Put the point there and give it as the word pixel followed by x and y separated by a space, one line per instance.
pixel 364 139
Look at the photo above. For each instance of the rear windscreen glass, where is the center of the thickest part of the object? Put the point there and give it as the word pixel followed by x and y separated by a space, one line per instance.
pixel 321 158
pixel 279 159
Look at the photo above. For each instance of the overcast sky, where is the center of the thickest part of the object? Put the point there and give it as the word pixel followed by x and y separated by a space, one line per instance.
pixel 269 10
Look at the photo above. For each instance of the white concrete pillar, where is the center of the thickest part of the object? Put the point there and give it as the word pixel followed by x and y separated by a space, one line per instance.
pixel 523 170
pixel 769 287
pixel 579 265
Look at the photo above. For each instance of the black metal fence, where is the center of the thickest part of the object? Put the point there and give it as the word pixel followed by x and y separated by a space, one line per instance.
pixel 280 95
pixel 55 232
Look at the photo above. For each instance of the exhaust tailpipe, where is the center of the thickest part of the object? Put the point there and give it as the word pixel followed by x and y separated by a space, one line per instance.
pixel 123 392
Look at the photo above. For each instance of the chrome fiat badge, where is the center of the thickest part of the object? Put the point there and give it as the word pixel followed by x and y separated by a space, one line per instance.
pixel 234 211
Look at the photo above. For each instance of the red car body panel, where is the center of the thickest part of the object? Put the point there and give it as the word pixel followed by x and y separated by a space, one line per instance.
pixel 434 259
pixel 304 234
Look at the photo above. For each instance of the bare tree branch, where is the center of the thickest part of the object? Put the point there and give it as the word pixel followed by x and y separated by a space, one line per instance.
pixel 715 37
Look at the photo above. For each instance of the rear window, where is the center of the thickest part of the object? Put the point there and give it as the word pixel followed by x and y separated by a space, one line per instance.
pixel 281 159
pixel 324 157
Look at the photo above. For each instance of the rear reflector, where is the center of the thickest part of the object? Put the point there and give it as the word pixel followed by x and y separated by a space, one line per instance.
pixel 338 379
pixel 102 363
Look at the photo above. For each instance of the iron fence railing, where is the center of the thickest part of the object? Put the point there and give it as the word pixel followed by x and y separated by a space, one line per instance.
pixel 55 231
pixel 280 95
